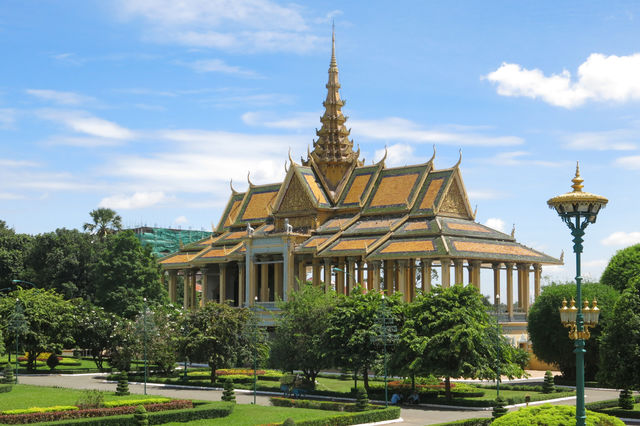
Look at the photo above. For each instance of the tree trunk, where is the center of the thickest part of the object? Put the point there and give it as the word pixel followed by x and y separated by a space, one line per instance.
pixel 447 388
pixel 213 372
pixel 413 382
pixel 365 378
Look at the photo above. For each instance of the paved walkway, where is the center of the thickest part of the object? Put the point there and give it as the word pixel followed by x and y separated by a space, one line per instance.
pixel 411 416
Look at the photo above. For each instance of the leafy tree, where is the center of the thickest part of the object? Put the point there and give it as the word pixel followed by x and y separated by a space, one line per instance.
pixel 105 222
pixel 550 339
pixel 2 348
pixel 48 318
pixel 13 250
pixel 353 330
pixel 218 334
pixel 93 329
pixel 622 268
pixel 450 334
pixel 299 339
pixel 125 273
pixel 123 345
pixel 62 261
pixel 620 342
pixel 161 336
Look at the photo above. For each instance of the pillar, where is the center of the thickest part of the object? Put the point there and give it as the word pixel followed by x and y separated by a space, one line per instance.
pixel 425 271
pixel 241 272
pixel 205 286
pixel 458 271
pixel 360 279
pixel 289 268
pixel 388 276
pixel 526 270
pixel 223 283
pixel 340 276
pixel 315 267
pixel 537 273
pixel 327 274
pixel 520 286
pixel 412 279
pixel 373 274
pixel 509 268
pixel 173 281
pixel 185 290
pixel 302 273
pixel 475 273
pixel 194 298
pixel 277 281
pixel 264 282
pixel 397 285
pixel 253 283
pixel 446 272
pixel 351 274
pixel 496 281
pixel 403 287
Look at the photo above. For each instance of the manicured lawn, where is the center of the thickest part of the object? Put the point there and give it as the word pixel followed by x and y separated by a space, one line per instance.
pixel 249 415
pixel 26 396
pixel 41 366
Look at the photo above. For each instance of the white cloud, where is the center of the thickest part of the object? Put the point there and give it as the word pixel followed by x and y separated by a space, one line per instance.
pixel 180 220
pixel 616 140
pixel 218 65
pixel 397 155
pixel 59 97
pixel 632 162
pixel 7 118
pixel 519 158
pixel 136 201
pixel 83 122
pixel 484 194
pixel 246 25
pixel 495 223
pixel 83 142
pixel 622 239
pixel 10 196
pixel 17 163
pixel 600 78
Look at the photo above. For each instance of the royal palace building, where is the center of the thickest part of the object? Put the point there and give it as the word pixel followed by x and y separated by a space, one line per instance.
pixel 337 222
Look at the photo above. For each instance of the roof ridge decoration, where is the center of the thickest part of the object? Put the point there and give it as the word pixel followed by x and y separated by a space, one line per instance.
pixel 333 157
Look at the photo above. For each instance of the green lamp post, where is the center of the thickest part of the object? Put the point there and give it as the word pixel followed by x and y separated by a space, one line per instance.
pixel 498 354
pixel 144 325
pixel 578 209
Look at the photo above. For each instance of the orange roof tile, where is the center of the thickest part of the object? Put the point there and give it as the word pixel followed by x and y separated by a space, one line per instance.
pixel 493 248
pixel 257 208
pixel 394 190
pixel 408 246
pixel 357 188
pixel 233 212
pixel 432 192
pixel 359 244
pixel 317 192
pixel 467 227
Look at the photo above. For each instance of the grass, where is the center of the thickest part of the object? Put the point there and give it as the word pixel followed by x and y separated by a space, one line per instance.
pixel 249 415
pixel 26 396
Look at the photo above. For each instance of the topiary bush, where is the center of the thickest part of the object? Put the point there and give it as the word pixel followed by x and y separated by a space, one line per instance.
pixel 548 386
pixel 553 415
pixel 362 400
pixel 141 416
pixel 625 401
pixel 499 409
pixel 623 266
pixel 289 422
pixel 123 384
pixel 228 394
pixel 8 374
pixel 52 361
pixel 90 399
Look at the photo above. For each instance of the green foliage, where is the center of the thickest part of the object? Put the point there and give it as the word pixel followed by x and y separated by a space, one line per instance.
pixel 299 339
pixel 41 409
pixel 105 221
pixel 622 268
pixel 46 324
pixel 8 376
pixel 553 415
pixel 550 339
pixel 125 273
pixel 123 345
pixel 91 398
pixel 141 416
pixel 289 422
pixel 159 328
pixel 479 421
pixel 354 330
pixel 129 402
pixel 228 394
pixel 220 335
pixel 499 409
pixel 123 384
pixel 53 361
pixel 448 333
pixel 13 250
pixel 362 400
pixel 620 342
pixel 548 386
pixel 4 388
pixel 626 399
pixel 93 329
pixel 371 416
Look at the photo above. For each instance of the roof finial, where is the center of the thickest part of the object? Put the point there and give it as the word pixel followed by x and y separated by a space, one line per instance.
pixel 334 63
pixel 433 157
pixel 249 179
pixel 233 191
pixel 577 181
pixel 286 169
pixel 459 159
pixel 513 231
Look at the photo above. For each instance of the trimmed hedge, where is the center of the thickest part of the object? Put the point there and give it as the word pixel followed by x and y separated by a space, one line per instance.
pixel 41 409
pixel 355 418
pixel 279 401
pixel 5 388
pixel 553 415
pixel 477 421
pixel 200 412
pixel 609 403
pixel 124 402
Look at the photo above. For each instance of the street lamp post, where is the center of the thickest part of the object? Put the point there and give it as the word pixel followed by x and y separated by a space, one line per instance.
pixel 144 325
pixel 578 209
pixel 498 354
pixel 255 349
pixel 384 343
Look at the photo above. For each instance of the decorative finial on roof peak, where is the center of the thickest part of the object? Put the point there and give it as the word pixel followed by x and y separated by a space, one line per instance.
pixel 233 191
pixel 562 256
pixel 433 157
pixel 513 231
pixel 459 159
pixel 577 181
pixel 286 170
pixel 249 179
pixel 334 63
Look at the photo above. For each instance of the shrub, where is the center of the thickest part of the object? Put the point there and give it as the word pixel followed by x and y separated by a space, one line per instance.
pixel 622 268
pixel 228 393
pixel 5 388
pixel 626 400
pixel 123 384
pixel 41 409
pixel 478 421
pixel 370 416
pixel 90 399
pixel 53 361
pixel 553 415
pixel 499 409
pixel 548 385
pixel 126 402
pixel 141 416
pixel 8 376
pixel 362 400
pixel 289 422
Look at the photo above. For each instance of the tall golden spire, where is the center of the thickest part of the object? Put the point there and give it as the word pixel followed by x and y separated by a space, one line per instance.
pixel 332 152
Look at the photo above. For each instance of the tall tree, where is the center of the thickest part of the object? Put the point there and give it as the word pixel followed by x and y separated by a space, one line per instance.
pixel 550 339
pixel 13 251
pixel 353 330
pixel 93 329
pixel 158 330
pixel 449 332
pixel 48 317
pixel 622 268
pixel 105 221
pixel 620 342
pixel 125 273
pixel 299 339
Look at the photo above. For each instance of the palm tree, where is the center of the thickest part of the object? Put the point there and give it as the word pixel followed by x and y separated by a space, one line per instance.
pixel 105 221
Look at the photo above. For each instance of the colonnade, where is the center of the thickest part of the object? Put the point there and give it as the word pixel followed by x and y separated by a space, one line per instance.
pixel 269 281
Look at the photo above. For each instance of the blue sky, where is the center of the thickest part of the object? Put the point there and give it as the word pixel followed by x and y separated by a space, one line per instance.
pixel 150 107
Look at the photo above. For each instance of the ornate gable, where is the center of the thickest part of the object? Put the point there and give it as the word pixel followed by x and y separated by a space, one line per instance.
pixel 455 202
pixel 296 199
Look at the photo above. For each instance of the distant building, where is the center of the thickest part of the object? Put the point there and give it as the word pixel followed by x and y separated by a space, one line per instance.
pixel 164 241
